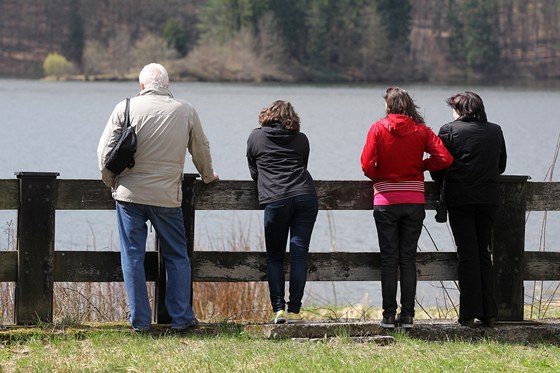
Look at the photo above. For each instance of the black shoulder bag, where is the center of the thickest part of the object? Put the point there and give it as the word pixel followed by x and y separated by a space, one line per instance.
pixel 441 205
pixel 122 155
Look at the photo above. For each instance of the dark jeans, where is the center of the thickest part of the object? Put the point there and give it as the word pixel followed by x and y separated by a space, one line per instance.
pixel 472 229
pixel 398 228
pixel 297 216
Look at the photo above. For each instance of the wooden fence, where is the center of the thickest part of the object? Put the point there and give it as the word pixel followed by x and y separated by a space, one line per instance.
pixel 36 266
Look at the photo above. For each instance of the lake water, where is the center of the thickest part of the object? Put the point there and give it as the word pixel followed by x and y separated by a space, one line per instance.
pixel 55 127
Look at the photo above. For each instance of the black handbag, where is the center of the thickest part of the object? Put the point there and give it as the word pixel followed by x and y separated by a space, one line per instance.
pixel 441 205
pixel 122 155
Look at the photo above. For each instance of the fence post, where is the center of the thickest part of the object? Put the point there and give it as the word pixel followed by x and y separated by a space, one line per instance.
pixel 35 245
pixel 508 247
pixel 161 316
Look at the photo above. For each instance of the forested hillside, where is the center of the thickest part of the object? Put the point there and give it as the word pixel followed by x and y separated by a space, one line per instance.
pixel 290 40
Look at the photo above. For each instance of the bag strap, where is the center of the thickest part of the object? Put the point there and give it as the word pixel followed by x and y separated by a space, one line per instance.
pixel 443 187
pixel 127 113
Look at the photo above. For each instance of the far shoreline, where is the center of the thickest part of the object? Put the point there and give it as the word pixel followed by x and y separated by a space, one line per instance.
pixel 529 83
pixel 517 83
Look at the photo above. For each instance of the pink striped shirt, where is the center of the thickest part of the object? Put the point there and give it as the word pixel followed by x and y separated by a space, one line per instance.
pixel 393 193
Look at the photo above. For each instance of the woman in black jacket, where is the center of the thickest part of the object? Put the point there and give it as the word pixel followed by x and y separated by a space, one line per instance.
pixel 472 195
pixel 277 155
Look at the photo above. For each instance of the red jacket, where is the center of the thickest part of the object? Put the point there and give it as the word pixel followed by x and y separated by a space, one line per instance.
pixel 394 153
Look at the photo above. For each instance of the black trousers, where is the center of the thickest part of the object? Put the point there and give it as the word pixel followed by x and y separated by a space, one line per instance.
pixel 398 229
pixel 472 230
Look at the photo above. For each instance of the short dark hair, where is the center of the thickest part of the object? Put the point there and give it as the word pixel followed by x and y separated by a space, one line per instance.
pixel 469 106
pixel 280 112
pixel 399 102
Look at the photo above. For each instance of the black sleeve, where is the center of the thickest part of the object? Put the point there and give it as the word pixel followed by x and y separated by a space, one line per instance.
pixel 503 155
pixel 445 136
pixel 251 160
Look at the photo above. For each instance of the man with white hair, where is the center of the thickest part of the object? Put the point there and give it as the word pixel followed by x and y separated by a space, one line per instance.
pixel 166 128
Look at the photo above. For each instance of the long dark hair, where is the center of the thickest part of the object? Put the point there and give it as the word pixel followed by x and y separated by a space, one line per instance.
pixel 280 112
pixel 399 102
pixel 469 106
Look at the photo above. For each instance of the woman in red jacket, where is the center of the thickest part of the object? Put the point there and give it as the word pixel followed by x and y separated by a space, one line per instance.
pixel 393 158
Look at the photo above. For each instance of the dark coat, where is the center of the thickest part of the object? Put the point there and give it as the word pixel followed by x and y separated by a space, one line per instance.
pixel 479 157
pixel 277 160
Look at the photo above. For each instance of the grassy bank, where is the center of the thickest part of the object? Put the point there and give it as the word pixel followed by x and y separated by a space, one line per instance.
pixel 114 348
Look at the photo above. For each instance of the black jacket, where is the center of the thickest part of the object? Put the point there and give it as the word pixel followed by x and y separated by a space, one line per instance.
pixel 277 161
pixel 479 157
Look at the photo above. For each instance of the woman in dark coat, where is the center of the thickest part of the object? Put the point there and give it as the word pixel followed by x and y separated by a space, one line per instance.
pixel 277 155
pixel 472 195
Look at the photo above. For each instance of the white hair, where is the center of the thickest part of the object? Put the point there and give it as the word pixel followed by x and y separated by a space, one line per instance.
pixel 154 76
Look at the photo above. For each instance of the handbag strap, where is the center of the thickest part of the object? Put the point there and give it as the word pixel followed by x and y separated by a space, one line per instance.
pixel 127 113
pixel 443 187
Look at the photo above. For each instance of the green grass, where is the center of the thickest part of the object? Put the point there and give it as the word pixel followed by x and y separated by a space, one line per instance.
pixel 115 349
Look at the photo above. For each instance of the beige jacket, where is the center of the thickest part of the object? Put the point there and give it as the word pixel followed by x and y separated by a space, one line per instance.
pixel 166 128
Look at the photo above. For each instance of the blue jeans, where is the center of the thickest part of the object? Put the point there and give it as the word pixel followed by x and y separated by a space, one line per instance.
pixel 398 229
pixel 297 216
pixel 133 231
pixel 472 230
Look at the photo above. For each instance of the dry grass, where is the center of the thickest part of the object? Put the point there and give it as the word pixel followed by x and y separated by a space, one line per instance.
pixel 239 301
pixel 7 301
pixel 77 302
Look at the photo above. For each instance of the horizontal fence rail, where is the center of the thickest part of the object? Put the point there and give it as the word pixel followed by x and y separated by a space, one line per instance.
pixel 35 266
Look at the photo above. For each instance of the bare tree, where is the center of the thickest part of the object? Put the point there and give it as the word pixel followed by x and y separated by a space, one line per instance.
pixel 119 53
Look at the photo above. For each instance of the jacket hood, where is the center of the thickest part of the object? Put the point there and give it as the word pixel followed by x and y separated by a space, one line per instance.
pixel 278 134
pixel 399 124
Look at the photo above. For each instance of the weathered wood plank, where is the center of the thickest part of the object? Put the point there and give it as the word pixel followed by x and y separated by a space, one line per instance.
pixel 83 266
pixel 437 266
pixel 9 194
pixel 215 266
pixel 226 266
pixel 97 266
pixel 543 196
pixel 226 195
pixel 8 266
pixel 349 195
pixel 543 266
pixel 242 195
pixel 333 195
pixel 84 195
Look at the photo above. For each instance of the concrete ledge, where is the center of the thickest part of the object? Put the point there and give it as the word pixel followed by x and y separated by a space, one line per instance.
pixel 315 330
pixel 527 332
pixel 381 340
pixel 429 330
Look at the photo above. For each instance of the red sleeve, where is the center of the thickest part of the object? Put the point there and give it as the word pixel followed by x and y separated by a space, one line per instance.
pixel 440 157
pixel 369 154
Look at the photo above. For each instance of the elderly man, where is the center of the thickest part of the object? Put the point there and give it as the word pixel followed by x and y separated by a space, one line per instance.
pixel 166 128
